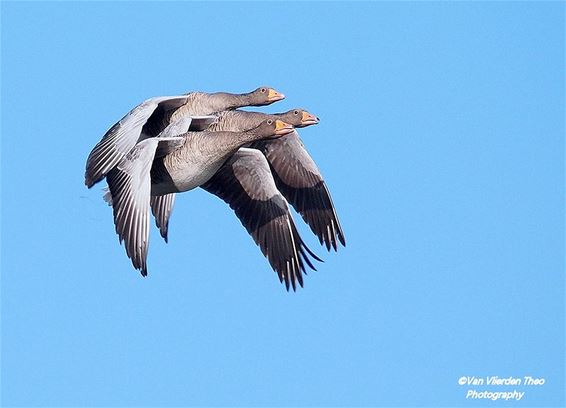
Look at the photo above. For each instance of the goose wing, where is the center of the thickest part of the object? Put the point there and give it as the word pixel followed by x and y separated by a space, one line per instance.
pixel 200 123
pixel 130 187
pixel 300 181
pixel 161 206
pixel 246 184
pixel 123 136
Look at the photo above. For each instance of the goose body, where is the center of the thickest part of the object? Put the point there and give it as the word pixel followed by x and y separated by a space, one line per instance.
pixel 152 116
pixel 182 163
pixel 195 160
pixel 292 169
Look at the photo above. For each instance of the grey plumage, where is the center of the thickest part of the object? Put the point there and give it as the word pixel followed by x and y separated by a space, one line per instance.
pixel 152 116
pixel 300 181
pixel 246 184
pixel 161 207
pixel 129 185
pixel 123 136
pixel 191 160
pixel 253 161
pixel 295 173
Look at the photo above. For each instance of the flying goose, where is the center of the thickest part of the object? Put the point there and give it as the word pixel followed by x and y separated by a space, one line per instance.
pixel 294 172
pixel 165 164
pixel 153 115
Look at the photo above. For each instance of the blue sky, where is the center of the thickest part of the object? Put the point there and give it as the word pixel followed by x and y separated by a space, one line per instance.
pixel 442 141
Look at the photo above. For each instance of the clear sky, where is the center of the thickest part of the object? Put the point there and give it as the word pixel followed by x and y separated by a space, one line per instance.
pixel 441 139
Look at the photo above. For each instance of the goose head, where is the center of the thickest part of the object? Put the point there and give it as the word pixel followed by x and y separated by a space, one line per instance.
pixel 298 118
pixel 273 128
pixel 264 96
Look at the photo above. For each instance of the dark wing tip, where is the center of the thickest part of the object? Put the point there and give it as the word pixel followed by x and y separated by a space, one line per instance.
pixel 163 231
pixel 93 177
pixel 311 253
pixel 89 182
pixel 342 239
pixel 161 208
pixel 334 244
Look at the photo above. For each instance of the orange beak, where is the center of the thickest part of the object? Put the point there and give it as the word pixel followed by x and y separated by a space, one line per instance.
pixel 308 119
pixel 274 96
pixel 282 128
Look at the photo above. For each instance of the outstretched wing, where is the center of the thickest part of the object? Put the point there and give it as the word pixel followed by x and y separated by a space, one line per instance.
pixel 130 188
pixel 246 184
pixel 300 181
pixel 123 136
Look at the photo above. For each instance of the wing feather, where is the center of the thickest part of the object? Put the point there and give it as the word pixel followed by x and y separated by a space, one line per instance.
pixel 123 136
pixel 130 187
pixel 246 184
pixel 300 181
pixel 161 207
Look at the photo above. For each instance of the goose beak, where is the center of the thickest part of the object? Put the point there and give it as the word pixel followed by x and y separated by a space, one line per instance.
pixel 282 128
pixel 308 119
pixel 274 96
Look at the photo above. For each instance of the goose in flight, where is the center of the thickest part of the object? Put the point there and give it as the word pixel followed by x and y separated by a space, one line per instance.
pixel 291 168
pixel 152 116
pixel 171 164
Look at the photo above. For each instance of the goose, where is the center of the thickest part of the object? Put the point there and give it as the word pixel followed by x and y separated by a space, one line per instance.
pixel 153 115
pixel 167 164
pixel 293 171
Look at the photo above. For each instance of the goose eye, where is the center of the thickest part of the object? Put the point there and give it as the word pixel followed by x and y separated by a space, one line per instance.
pixel 263 90
pixel 296 112
pixel 269 122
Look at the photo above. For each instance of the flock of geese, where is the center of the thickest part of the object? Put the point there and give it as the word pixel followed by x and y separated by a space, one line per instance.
pixel 254 161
